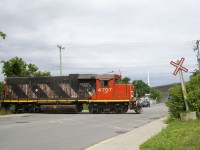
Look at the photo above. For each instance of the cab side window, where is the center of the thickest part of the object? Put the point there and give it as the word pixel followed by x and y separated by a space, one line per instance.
pixel 104 83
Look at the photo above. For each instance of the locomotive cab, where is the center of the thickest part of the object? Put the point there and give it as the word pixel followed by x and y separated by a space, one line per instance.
pixel 107 88
pixel 109 96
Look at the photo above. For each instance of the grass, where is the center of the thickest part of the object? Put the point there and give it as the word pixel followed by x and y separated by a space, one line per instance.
pixel 178 135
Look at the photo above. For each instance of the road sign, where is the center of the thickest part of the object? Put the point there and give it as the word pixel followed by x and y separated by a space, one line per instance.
pixel 179 66
pixel 179 69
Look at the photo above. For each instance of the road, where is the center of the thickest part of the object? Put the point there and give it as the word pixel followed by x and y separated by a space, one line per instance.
pixel 69 131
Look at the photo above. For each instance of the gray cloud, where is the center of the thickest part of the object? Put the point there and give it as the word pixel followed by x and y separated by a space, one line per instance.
pixel 102 35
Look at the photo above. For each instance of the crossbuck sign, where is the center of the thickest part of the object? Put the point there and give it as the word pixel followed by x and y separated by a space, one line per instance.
pixel 179 66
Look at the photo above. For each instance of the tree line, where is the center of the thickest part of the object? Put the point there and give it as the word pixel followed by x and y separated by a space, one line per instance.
pixel 141 88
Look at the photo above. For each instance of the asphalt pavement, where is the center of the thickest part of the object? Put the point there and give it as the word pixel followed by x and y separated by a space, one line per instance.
pixel 79 131
pixel 133 139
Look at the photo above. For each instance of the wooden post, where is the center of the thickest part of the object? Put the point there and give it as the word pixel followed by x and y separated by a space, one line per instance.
pixel 183 89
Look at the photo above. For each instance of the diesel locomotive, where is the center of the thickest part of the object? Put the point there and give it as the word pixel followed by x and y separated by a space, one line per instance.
pixel 101 92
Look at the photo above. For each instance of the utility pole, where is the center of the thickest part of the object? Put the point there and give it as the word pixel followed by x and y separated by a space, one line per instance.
pixel 196 48
pixel 60 48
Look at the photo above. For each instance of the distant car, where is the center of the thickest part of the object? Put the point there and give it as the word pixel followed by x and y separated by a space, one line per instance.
pixel 145 103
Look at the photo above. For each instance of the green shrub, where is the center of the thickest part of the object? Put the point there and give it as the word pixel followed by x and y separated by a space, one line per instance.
pixel 85 106
pixel 156 94
pixel 176 105
pixel 194 101
pixel 194 93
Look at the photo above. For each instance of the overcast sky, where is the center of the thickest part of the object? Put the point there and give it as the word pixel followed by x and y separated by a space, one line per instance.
pixel 100 36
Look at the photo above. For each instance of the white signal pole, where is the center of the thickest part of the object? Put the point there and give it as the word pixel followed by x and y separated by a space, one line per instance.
pixel 148 81
pixel 60 48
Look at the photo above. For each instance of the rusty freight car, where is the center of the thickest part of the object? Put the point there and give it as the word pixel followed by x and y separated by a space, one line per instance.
pixel 102 93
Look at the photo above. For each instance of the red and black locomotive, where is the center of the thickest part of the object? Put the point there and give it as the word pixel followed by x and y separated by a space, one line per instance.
pixel 102 93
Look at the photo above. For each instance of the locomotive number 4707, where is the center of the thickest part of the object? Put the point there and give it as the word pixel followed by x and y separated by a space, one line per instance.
pixel 105 90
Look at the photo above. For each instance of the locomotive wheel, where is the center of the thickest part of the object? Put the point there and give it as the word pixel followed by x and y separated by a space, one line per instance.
pixel 121 109
pixel 113 110
pixel 90 108
pixel 19 109
pixel 107 108
pixel 100 110
pixel 79 108
pixel 36 109
pixel 92 111
pixel 125 109
pixel 138 109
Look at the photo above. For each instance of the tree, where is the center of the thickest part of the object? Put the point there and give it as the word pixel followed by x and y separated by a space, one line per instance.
pixel 3 35
pixel 39 73
pixel 156 94
pixel 177 105
pixel 32 69
pixel 17 67
pixel 125 80
pixel 193 88
pixel 141 88
pixel 196 72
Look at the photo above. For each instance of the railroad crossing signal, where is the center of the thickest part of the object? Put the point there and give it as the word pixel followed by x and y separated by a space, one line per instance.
pixel 179 69
pixel 179 66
